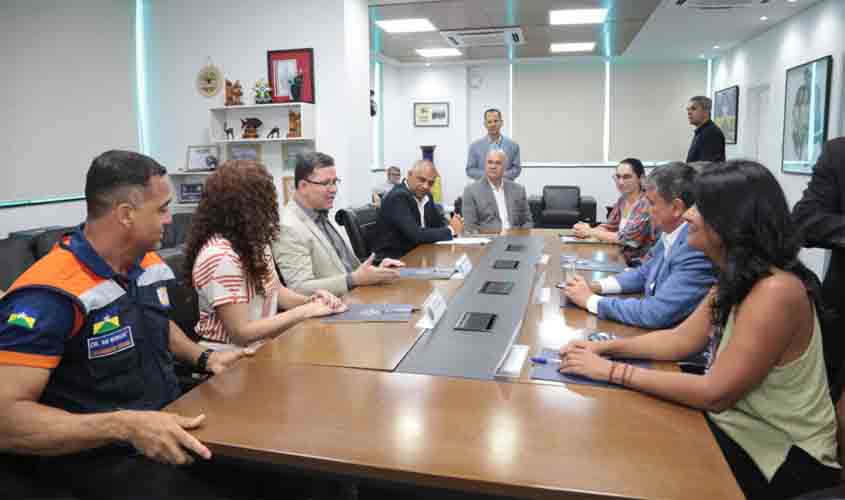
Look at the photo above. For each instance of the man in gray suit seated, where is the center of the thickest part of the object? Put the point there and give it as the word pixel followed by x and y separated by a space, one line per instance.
pixel 493 204
pixel 312 253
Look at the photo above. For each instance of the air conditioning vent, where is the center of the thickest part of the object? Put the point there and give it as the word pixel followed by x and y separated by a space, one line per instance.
pixel 718 4
pixel 484 37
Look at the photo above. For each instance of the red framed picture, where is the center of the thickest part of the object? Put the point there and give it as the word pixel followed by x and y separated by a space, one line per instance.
pixel 291 74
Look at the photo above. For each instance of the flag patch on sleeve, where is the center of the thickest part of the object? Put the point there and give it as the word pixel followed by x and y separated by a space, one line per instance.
pixel 21 319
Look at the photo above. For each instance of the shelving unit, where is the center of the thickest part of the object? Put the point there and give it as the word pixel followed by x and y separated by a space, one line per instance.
pixel 274 153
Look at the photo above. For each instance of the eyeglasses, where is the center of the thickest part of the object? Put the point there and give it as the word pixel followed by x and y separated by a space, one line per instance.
pixel 331 182
pixel 625 177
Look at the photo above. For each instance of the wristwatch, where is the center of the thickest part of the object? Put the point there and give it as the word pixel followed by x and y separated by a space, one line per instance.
pixel 202 361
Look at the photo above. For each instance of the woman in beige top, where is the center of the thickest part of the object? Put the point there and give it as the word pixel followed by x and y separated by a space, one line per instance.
pixel 765 391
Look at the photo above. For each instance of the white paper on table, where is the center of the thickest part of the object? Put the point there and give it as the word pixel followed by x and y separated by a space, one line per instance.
pixel 465 241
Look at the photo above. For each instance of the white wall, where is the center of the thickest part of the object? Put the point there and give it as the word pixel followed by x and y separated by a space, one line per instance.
pixel 405 85
pixel 818 31
pixel 236 37
pixel 402 84
pixel 68 95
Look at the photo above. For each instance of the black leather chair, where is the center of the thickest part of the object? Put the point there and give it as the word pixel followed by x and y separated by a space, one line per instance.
pixel 360 225
pixel 44 242
pixel 16 255
pixel 183 297
pixel 562 207
pixel 176 232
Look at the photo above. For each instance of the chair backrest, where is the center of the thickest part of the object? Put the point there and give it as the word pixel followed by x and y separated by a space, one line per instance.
pixel 16 256
pixel 176 232
pixel 561 197
pixel 44 242
pixel 360 224
pixel 184 302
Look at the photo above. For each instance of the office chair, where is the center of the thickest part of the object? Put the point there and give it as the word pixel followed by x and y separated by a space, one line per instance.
pixel 562 207
pixel 16 256
pixel 360 225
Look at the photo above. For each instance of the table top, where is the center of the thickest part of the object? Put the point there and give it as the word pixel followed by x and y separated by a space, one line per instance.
pixel 504 437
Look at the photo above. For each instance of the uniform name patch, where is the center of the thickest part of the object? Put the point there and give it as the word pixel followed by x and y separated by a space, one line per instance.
pixel 110 343
pixel 162 296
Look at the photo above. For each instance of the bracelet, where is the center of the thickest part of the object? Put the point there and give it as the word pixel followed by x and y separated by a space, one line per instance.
pixel 202 361
pixel 625 367
pixel 612 369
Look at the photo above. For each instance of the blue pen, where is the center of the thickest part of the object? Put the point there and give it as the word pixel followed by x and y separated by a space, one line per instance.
pixel 545 361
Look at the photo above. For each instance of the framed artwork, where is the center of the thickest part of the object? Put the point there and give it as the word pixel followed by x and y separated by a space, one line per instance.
pixel 726 112
pixel 291 75
pixel 431 114
pixel 805 114
pixel 288 188
pixel 244 151
pixel 190 192
pixel 200 158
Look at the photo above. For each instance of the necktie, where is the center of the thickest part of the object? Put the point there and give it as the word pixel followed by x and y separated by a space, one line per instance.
pixel 336 240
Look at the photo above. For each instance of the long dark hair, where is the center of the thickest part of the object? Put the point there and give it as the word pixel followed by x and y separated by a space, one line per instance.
pixel 239 203
pixel 745 205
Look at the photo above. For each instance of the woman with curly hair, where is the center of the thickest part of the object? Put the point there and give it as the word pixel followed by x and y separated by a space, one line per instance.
pixel 231 266
pixel 765 391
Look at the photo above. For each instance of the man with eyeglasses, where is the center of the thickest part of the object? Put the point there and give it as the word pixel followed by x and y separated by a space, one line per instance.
pixel 673 280
pixel 408 217
pixel 312 253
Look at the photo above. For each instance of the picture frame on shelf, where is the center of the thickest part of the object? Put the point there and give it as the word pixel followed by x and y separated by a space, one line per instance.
pixel 726 112
pixel 288 188
pixel 245 151
pixel 190 192
pixel 201 158
pixel 431 114
pixel 805 114
pixel 291 74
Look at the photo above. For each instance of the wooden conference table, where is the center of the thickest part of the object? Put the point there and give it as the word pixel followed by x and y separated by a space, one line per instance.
pixel 301 402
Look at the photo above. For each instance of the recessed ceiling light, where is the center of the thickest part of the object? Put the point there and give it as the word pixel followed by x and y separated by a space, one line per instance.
pixel 577 16
pixel 764 18
pixel 406 25
pixel 716 47
pixel 573 47
pixel 438 52
pixel 791 1
pixel 428 64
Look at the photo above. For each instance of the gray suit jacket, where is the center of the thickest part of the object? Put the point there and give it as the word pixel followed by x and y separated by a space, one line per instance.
pixel 306 257
pixel 481 214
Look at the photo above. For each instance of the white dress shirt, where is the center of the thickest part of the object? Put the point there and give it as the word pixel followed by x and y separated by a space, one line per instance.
pixel 611 284
pixel 499 194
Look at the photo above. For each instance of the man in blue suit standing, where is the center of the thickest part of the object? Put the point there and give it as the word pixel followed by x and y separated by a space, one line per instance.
pixel 675 277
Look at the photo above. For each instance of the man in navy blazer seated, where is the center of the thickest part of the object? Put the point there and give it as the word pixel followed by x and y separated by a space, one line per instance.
pixel 408 216
pixel 674 279
pixel 493 204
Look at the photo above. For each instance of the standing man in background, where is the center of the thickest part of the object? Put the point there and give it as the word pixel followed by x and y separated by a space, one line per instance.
pixel 708 143
pixel 493 141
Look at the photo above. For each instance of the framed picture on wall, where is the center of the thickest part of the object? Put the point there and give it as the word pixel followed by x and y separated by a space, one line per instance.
pixel 431 114
pixel 805 114
pixel 291 75
pixel 199 158
pixel 726 112
pixel 244 151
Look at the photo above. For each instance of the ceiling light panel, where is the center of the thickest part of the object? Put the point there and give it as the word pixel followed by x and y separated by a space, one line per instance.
pixel 577 16
pixel 573 47
pixel 439 52
pixel 406 25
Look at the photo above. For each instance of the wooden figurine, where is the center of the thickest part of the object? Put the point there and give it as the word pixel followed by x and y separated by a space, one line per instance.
pixel 233 93
pixel 249 128
pixel 229 131
pixel 294 124
pixel 274 132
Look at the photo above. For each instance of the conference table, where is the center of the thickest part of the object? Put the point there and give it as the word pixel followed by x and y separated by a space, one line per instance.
pixel 328 398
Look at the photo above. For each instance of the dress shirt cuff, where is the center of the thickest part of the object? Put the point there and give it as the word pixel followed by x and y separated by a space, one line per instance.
pixel 593 303
pixel 350 283
pixel 452 231
pixel 610 285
